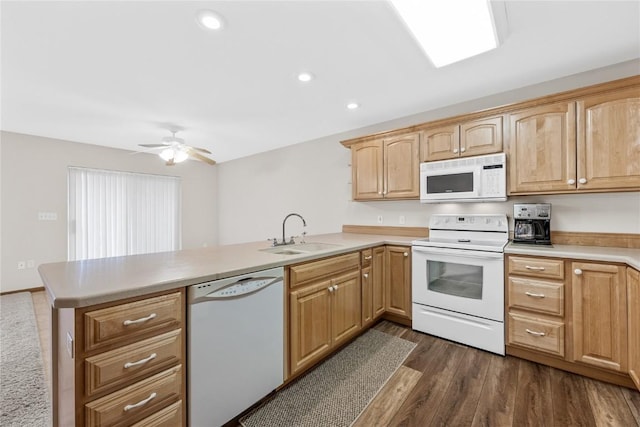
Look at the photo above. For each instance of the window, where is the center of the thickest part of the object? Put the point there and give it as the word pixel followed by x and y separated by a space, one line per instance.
pixel 119 213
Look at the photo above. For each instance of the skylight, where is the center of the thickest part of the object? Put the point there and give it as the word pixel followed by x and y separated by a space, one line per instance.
pixel 449 30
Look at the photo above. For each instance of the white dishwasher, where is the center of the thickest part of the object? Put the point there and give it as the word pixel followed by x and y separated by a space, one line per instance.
pixel 235 344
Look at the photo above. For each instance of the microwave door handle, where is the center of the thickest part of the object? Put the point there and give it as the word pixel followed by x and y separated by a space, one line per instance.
pixel 462 252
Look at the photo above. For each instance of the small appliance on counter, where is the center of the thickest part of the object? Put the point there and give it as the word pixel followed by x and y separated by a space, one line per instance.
pixel 532 223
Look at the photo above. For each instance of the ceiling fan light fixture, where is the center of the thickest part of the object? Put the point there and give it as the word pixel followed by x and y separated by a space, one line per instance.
pixel 210 20
pixel 174 155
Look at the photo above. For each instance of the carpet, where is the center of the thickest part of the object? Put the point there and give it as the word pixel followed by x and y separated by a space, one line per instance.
pixel 337 391
pixel 24 395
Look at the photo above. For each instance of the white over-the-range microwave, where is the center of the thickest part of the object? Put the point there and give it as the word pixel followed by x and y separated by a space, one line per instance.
pixel 470 179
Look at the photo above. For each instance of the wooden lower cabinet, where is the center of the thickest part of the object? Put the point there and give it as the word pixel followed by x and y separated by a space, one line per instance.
pixel 121 363
pixel 324 311
pixel 398 281
pixel 599 299
pixel 633 304
pixel 575 315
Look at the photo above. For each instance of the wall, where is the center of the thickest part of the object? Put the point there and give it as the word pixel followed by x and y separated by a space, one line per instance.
pixel 33 178
pixel 314 179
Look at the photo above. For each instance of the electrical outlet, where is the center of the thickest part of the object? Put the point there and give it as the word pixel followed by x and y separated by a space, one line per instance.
pixel 380 219
pixel 22 265
pixel 401 220
pixel 47 216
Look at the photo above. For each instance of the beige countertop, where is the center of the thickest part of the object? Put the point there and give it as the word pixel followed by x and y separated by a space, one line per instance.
pixel 630 257
pixel 84 283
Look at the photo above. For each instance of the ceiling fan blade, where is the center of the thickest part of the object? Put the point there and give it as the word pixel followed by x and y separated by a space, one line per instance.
pixel 200 157
pixel 202 150
pixel 153 145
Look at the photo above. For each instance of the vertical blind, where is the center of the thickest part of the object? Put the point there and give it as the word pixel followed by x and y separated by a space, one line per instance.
pixel 115 213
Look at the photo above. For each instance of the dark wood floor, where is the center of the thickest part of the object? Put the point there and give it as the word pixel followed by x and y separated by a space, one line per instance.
pixel 446 384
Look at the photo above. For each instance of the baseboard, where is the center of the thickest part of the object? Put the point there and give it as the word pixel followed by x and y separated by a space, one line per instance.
pixel 41 288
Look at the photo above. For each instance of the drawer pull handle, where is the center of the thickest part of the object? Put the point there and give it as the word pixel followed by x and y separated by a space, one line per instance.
pixel 141 403
pixel 368 257
pixel 528 267
pixel 538 334
pixel 531 294
pixel 140 362
pixel 141 320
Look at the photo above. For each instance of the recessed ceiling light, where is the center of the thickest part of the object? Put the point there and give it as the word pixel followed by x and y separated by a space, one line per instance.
pixel 353 105
pixel 305 77
pixel 210 20
pixel 449 31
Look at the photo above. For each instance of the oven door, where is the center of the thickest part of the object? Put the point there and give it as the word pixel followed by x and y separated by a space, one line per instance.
pixel 464 281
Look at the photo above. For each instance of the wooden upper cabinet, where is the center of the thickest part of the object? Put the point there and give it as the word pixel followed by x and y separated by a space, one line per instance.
pixel 542 149
pixel 609 140
pixel 633 305
pixel 472 138
pixel 401 167
pixel 367 170
pixel 599 299
pixel 386 168
pixel 481 137
pixel 440 143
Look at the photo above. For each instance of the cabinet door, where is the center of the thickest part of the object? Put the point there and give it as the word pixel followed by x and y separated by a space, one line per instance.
pixel 542 149
pixel 367 170
pixel 398 280
pixel 367 295
pixel 377 282
pixel 609 141
pixel 481 137
pixel 599 300
pixel 440 143
pixel 310 324
pixel 633 303
pixel 346 307
pixel 402 167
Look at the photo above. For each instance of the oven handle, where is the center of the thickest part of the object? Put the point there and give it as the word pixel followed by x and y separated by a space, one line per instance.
pixel 459 252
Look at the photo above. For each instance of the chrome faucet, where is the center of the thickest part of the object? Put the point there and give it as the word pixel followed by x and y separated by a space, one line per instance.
pixel 290 242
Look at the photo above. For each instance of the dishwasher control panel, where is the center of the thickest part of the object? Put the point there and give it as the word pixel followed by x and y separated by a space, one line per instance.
pixel 235 286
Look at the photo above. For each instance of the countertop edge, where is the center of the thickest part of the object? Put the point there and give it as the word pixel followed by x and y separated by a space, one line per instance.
pixel 60 300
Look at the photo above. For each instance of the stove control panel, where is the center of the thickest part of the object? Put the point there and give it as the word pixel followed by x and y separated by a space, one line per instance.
pixel 470 222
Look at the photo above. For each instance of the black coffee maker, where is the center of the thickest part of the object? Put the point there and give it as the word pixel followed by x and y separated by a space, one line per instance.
pixel 532 223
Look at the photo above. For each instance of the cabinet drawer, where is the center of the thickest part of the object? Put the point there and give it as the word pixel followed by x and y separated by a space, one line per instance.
pixel 109 325
pixel 112 368
pixel 138 400
pixel 537 295
pixel 314 270
pixel 171 416
pixel 366 257
pixel 537 334
pixel 538 267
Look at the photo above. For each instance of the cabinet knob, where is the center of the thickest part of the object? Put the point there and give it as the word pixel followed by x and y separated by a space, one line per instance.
pixel 462 150
pixel 455 150
pixel 335 287
pixel 380 193
pixel 406 254
pixel 577 271
pixel 571 181
pixel 330 288
pixel 582 180
pixel 384 192
pixel 365 275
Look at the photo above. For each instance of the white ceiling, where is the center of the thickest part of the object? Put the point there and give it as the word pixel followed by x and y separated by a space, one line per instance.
pixel 119 73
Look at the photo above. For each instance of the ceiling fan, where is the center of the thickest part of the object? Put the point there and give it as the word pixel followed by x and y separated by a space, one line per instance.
pixel 174 150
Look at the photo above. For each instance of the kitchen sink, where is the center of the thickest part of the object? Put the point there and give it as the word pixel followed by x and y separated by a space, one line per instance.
pixel 300 248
